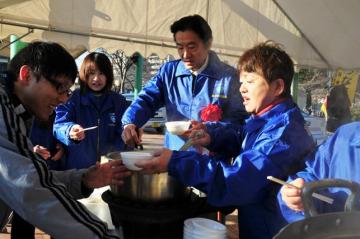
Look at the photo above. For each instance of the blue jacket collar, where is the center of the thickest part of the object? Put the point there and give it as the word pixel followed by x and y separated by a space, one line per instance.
pixel 253 123
pixel 85 100
pixel 212 70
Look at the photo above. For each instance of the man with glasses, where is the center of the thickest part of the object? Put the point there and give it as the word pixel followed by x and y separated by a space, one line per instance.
pixel 38 79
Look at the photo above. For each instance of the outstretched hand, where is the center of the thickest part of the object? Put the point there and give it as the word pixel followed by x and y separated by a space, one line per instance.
pixel 195 125
pixel 292 195
pixel 158 164
pixel 77 132
pixel 101 175
pixel 131 135
pixel 200 138
pixel 42 151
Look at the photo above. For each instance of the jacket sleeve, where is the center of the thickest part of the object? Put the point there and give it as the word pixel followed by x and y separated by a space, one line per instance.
pixel 225 185
pixel 226 138
pixel 64 120
pixel 121 105
pixel 317 168
pixel 245 181
pixel 150 99
pixel 72 179
pixel 39 197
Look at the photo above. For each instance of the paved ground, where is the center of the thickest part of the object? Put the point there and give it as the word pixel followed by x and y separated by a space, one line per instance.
pixel 151 140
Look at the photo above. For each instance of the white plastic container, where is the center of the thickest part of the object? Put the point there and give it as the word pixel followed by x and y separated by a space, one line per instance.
pixel 196 228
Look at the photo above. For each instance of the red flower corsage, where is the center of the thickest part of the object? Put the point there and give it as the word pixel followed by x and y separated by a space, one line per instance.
pixel 211 113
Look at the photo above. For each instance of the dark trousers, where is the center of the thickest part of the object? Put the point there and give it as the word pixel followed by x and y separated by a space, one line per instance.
pixel 21 229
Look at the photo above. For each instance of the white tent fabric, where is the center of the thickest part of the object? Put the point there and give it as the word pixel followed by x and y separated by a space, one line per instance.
pixel 331 26
pixel 143 25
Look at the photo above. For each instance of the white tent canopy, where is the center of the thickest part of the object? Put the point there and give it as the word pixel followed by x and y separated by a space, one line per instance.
pixel 143 26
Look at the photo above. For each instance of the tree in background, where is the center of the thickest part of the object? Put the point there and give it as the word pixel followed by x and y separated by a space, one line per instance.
pixel 124 69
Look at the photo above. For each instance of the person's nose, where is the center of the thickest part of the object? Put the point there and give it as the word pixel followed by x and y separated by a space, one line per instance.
pixel 96 77
pixel 242 88
pixel 186 53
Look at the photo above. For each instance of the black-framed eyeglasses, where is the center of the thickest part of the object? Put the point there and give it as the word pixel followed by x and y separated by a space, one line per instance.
pixel 60 88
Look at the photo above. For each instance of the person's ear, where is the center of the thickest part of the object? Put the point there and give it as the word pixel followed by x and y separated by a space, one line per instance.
pixel 24 74
pixel 208 44
pixel 279 86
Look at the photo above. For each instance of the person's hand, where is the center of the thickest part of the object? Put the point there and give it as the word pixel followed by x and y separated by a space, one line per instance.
pixel 101 175
pixel 200 138
pixel 158 164
pixel 77 133
pixel 59 152
pixel 130 135
pixel 292 196
pixel 42 151
pixel 195 125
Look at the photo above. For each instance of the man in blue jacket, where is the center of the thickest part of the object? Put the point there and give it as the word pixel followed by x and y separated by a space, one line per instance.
pixel 337 158
pixel 268 144
pixel 187 86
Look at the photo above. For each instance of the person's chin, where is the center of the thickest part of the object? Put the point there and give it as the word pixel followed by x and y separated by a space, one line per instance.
pixel 97 89
pixel 189 66
pixel 248 109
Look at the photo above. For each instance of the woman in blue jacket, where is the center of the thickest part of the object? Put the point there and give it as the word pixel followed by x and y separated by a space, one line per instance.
pixel 268 144
pixel 337 158
pixel 94 104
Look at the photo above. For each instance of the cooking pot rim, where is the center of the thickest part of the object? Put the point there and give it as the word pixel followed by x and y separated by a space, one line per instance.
pixel 336 223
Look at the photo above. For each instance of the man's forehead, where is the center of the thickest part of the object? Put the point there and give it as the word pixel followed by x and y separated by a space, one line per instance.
pixel 190 43
pixel 186 37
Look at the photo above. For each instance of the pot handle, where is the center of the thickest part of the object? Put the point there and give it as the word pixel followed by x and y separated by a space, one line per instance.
pixel 311 187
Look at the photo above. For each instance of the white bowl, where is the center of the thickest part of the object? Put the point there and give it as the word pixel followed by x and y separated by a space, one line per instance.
pixel 203 228
pixel 129 158
pixel 208 225
pixel 177 127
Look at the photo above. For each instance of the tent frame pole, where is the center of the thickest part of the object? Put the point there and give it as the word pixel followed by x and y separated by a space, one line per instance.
pixel 102 36
pixel 17 39
pixel 303 35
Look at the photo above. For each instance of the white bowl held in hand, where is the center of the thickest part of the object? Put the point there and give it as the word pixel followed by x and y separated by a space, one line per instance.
pixel 177 127
pixel 129 158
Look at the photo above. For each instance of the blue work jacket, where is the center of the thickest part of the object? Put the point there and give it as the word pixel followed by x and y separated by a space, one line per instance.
pixel 173 88
pixel 266 145
pixel 336 158
pixel 87 110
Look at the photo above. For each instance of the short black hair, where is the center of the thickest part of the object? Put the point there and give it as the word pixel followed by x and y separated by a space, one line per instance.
pixel 271 61
pixel 102 62
pixel 47 59
pixel 195 23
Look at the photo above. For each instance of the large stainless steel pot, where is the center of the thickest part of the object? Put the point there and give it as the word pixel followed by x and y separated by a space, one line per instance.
pixel 149 188
pixel 330 225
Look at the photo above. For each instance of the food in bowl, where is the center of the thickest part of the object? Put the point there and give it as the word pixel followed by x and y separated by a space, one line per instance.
pixel 177 127
pixel 129 158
